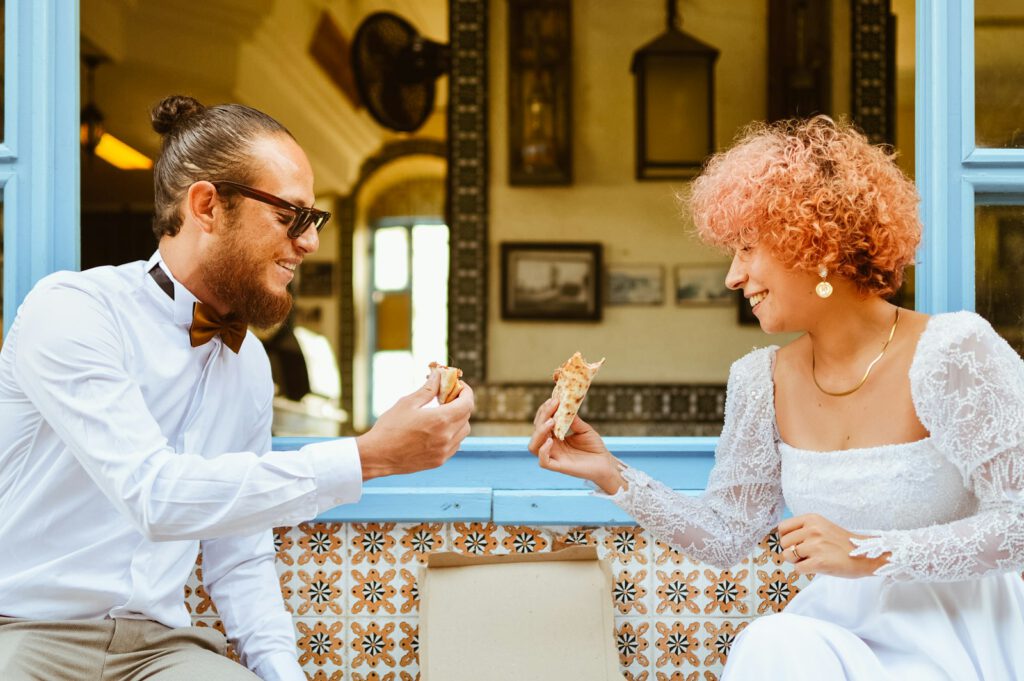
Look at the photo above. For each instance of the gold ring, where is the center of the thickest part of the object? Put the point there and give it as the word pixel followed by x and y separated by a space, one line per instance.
pixel 797 555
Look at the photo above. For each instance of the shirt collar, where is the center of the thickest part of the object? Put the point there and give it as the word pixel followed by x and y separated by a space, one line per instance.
pixel 183 299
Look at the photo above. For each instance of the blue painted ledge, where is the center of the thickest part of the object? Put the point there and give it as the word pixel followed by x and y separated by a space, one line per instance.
pixel 496 479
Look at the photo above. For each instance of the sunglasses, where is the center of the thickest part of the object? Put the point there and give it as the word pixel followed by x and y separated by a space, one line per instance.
pixel 304 217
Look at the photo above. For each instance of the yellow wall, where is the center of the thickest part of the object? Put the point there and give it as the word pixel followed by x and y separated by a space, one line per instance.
pixel 638 222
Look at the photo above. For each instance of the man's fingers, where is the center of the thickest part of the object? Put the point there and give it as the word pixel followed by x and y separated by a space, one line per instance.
pixel 426 392
pixel 462 406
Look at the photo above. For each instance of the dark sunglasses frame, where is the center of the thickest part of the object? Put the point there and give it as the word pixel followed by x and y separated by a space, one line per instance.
pixel 304 216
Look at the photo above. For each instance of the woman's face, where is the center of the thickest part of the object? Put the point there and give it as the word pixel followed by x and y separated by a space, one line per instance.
pixel 782 299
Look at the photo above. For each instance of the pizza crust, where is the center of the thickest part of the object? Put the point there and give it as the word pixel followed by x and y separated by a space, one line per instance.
pixel 572 380
pixel 450 385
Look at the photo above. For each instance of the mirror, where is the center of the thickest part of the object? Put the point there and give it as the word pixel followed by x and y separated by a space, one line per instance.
pixel 667 361
pixel 667 364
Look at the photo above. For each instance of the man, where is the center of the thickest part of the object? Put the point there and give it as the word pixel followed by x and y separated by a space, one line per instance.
pixel 135 416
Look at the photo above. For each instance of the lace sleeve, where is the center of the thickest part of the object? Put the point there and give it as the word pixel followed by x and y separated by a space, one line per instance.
pixel 743 499
pixel 968 388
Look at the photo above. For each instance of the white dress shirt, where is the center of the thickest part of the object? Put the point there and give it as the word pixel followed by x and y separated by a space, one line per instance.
pixel 123 449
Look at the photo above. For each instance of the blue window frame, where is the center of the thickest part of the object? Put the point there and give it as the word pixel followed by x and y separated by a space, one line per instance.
pixel 39 154
pixel 494 478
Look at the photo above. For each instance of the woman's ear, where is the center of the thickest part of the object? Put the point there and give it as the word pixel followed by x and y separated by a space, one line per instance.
pixel 202 205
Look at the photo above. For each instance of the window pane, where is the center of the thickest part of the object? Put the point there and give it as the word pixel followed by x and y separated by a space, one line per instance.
pixel 394 375
pixel 391 258
pixel 430 294
pixel 999 269
pixel 999 72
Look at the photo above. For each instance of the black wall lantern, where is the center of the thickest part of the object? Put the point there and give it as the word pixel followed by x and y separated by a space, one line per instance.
pixel 675 103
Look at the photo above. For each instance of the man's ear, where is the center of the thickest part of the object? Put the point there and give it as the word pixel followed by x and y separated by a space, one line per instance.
pixel 203 205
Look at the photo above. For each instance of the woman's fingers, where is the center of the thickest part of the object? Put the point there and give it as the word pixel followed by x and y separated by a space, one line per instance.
pixel 545 411
pixel 540 434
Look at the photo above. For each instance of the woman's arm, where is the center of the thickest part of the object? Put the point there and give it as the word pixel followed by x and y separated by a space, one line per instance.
pixel 969 393
pixel 743 499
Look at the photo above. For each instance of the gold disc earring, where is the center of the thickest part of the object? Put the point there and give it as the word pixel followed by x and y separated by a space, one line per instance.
pixel 823 289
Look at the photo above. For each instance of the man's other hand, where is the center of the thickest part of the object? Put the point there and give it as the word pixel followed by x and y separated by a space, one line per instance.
pixel 409 438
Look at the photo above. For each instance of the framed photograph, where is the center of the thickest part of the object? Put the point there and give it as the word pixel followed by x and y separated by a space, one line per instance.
pixel 551 281
pixel 316 279
pixel 702 285
pixel 635 285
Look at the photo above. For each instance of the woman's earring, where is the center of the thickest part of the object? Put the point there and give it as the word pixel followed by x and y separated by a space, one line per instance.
pixel 823 289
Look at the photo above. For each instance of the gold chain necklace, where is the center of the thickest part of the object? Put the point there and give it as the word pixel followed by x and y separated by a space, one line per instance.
pixel 871 366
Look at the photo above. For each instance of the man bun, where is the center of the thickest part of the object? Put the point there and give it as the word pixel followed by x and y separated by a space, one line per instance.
pixel 172 111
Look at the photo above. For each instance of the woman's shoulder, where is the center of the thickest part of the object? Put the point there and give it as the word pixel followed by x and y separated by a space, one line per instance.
pixel 951 331
pixel 755 367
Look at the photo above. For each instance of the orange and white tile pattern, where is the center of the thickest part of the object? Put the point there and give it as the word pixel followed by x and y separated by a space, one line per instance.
pixel 353 593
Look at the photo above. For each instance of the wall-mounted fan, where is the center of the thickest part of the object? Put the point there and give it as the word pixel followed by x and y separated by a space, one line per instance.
pixel 395 69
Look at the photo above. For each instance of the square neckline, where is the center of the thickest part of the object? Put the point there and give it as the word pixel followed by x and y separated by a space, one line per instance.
pixel 853 450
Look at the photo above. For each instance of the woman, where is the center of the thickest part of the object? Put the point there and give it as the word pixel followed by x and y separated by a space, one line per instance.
pixel 894 438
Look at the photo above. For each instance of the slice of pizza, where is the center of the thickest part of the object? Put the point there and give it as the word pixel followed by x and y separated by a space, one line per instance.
pixel 451 386
pixel 572 380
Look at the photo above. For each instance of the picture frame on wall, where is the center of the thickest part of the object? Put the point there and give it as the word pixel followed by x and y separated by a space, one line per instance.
pixel 702 285
pixel 635 285
pixel 551 281
pixel 316 279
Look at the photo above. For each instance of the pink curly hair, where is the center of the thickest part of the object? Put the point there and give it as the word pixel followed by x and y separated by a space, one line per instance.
pixel 818 194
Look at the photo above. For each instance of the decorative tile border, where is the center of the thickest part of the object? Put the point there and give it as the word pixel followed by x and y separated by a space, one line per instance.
pixel 352 589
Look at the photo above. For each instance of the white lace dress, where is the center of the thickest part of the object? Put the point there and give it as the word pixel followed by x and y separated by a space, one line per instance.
pixel 949 509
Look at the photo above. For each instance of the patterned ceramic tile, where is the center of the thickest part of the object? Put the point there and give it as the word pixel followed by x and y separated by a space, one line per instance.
pixel 373 592
pixel 284 545
pixel 219 626
pixel 676 592
pixel 480 539
pixel 725 592
pixel 718 637
pixel 629 592
pixel 522 539
pixel 321 645
pixel 676 645
pixel 769 550
pixel 636 675
pixel 664 554
pixel 319 544
pixel 627 545
pixel 408 591
pixel 386 676
pixel 632 639
pixel 373 645
pixel 680 676
pixel 573 536
pixel 416 542
pixel 373 543
pixel 320 593
pixel 775 590
pixel 321 675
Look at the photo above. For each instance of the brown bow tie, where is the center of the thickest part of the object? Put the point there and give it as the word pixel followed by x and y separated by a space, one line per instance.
pixel 206 324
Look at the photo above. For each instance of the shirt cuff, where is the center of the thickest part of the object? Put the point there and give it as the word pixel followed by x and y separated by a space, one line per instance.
pixel 338 471
pixel 279 667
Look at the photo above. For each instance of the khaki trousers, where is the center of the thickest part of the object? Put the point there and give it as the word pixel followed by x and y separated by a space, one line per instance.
pixel 113 650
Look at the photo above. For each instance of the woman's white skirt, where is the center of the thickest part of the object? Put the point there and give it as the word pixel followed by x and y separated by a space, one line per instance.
pixel 865 630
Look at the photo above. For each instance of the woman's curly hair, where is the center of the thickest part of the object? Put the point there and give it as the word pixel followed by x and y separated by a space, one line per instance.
pixel 817 193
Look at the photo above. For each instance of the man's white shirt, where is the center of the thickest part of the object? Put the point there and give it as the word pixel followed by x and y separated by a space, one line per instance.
pixel 121 447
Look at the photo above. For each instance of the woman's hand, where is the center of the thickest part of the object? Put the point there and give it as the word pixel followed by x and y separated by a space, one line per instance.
pixel 816 545
pixel 582 454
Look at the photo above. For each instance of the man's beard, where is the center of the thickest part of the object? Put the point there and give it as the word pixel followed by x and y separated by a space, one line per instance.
pixel 233 274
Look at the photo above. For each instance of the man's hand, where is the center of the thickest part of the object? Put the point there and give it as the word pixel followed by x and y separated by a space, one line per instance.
pixel 408 438
pixel 815 545
pixel 582 454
